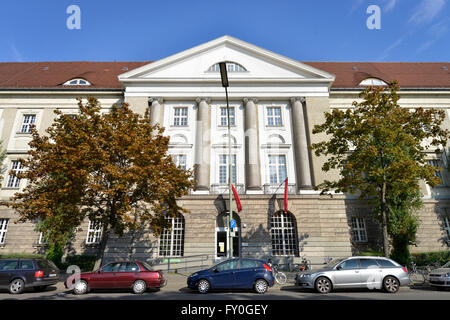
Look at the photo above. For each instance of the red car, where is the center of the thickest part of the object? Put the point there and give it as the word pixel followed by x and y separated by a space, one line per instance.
pixel 136 275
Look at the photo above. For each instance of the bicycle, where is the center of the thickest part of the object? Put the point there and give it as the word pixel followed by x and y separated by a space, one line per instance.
pixel 279 276
pixel 327 260
pixel 416 276
pixel 305 264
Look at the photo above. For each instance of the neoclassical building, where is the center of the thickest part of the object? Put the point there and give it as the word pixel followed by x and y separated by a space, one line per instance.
pixel 274 104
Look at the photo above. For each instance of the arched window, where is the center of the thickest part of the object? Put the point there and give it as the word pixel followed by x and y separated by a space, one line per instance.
pixel 283 233
pixel 171 241
pixel 231 67
pixel 372 82
pixel 77 82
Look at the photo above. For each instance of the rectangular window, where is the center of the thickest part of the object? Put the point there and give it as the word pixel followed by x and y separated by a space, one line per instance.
pixel 13 181
pixel 3 230
pixel 224 116
pixel 180 160
pixel 223 168
pixel 283 234
pixel 180 116
pixel 94 232
pixel 274 116
pixel 171 241
pixel 277 169
pixel 28 121
pixel 447 226
pixel 359 229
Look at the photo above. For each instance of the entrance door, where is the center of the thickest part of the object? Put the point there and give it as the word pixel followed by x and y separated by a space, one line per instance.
pixel 223 236
pixel 236 243
pixel 221 243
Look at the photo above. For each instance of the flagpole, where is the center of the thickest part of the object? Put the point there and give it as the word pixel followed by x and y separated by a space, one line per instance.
pixel 225 84
pixel 230 250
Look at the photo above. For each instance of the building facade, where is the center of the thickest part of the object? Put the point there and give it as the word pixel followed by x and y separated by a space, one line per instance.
pixel 274 104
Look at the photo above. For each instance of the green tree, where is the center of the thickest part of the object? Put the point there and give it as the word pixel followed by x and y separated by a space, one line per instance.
pixel 378 148
pixel 2 158
pixel 111 167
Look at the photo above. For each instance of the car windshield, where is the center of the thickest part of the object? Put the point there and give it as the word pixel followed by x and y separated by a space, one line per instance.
pixel 332 263
pixel 447 265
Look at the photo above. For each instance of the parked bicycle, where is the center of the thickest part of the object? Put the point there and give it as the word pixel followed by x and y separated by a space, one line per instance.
pixel 305 264
pixel 417 276
pixel 327 260
pixel 279 276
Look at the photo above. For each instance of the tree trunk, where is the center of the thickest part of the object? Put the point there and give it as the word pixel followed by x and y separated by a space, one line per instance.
pixel 101 250
pixel 384 221
pixel 384 209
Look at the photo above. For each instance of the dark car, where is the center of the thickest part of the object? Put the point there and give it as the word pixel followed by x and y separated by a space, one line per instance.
pixel 18 274
pixel 135 275
pixel 234 274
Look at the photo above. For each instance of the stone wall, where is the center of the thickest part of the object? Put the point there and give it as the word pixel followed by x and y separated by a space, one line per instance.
pixel 323 229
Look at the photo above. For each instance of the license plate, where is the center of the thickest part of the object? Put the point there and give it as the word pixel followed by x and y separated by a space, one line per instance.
pixel 52 275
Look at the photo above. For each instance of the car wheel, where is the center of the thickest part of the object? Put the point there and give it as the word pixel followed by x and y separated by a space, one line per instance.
pixel 81 287
pixel 16 286
pixel 323 285
pixel 261 286
pixel 203 286
pixel 391 284
pixel 139 287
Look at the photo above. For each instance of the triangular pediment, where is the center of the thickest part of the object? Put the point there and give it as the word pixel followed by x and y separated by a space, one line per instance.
pixel 194 64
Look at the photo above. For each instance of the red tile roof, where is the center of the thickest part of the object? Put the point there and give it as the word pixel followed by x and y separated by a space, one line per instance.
pixel 55 74
pixel 408 74
pixel 103 75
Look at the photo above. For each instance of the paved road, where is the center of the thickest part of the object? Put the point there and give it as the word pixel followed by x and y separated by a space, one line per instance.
pixel 176 290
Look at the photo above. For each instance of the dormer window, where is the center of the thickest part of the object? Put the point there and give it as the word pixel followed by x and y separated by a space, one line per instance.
pixel 372 82
pixel 77 82
pixel 231 67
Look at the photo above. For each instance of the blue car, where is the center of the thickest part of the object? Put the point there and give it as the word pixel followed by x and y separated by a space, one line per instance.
pixel 234 274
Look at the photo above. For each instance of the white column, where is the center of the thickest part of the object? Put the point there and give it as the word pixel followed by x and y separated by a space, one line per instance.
pixel 203 143
pixel 156 110
pixel 252 163
pixel 300 140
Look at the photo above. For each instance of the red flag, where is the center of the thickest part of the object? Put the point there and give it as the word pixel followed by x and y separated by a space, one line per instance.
pixel 236 198
pixel 286 195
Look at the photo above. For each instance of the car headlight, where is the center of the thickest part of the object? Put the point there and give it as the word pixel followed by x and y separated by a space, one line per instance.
pixel 305 275
pixel 447 274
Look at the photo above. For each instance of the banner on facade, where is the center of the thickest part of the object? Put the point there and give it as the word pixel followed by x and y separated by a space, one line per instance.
pixel 286 195
pixel 236 198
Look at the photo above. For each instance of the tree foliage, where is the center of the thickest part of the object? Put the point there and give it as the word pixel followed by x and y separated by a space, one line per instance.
pixel 378 148
pixel 2 157
pixel 111 167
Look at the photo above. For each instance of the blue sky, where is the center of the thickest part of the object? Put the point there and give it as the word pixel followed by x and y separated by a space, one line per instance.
pixel 140 30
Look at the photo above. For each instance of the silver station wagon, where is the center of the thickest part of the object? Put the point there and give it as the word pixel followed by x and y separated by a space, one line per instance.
pixel 440 278
pixel 356 272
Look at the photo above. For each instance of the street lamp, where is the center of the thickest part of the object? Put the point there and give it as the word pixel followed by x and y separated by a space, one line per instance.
pixel 224 76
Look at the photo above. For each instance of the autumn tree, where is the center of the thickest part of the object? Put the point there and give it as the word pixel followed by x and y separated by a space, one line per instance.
pixel 379 149
pixel 2 157
pixel 110 167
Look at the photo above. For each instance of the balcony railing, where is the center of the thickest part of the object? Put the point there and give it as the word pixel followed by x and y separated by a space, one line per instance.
pixel 224 188
pixel 279 188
